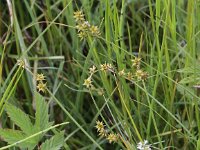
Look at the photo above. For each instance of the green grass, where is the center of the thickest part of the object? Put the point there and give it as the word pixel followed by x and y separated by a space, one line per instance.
pixel 163 109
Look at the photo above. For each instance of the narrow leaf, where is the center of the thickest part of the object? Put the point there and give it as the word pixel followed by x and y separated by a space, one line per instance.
pixel 198 144
pixel 20 119
pixel 55 143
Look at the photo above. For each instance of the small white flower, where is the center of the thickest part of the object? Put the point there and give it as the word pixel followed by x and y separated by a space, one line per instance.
pixel 21 63
pixel 92 69
pixel 144 145
pixel 88 82
pixel 121 73
pixel 87 23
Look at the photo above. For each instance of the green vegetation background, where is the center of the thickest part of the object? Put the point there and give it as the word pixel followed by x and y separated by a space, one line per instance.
pixel 165 34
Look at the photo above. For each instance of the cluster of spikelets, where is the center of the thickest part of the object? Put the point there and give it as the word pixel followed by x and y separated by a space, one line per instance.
pixel 88 81
pixel 41 84
pixel 40 78
pixel 138 74
pixel 111 137
pixel 84 27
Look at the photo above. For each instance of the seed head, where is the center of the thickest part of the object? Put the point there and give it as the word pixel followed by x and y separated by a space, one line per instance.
pixel 99 125
pixel 121 73
pixel 79 16
pixel 88 82
pixel 95 30
pixel 21 63
pixel 136 62
pixel 82 27
pixel 92 69
pixel 40 77
pixel 129 76
pixel 112 137
pixel 141 75
pixel 82 35
pixel 42 86
pixel 100 128
pixel 103 67
pixel 103 132
pixel 106 67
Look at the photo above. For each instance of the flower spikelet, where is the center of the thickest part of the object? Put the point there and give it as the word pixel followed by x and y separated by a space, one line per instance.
pixel 112 137
pixel 88 82
pixel 21 63
pixel 95 30
pixel 82 35
pixel 42 86
pixel 121 73
pixel 79 16
pixel 92 69
pixel 40 77
pixel 136 62
pixel 144 145
pixel 106 67
pixel 141 75
pixel 99 125
pixel 129 76
pixel 100 128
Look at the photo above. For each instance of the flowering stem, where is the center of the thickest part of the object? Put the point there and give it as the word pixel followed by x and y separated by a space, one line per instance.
pixel 133 123
pixel 70 116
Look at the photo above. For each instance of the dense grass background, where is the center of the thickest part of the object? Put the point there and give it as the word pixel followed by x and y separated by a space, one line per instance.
pixel 164 109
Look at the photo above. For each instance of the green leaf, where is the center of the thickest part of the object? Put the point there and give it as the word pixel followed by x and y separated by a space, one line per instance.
pixel 20 119
pixel 191 69
pixel 23 121
pixel 186 91
pixel 191 79
pixel 55 143
pixel 198 144
pixel 41 115
pixel 13 136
